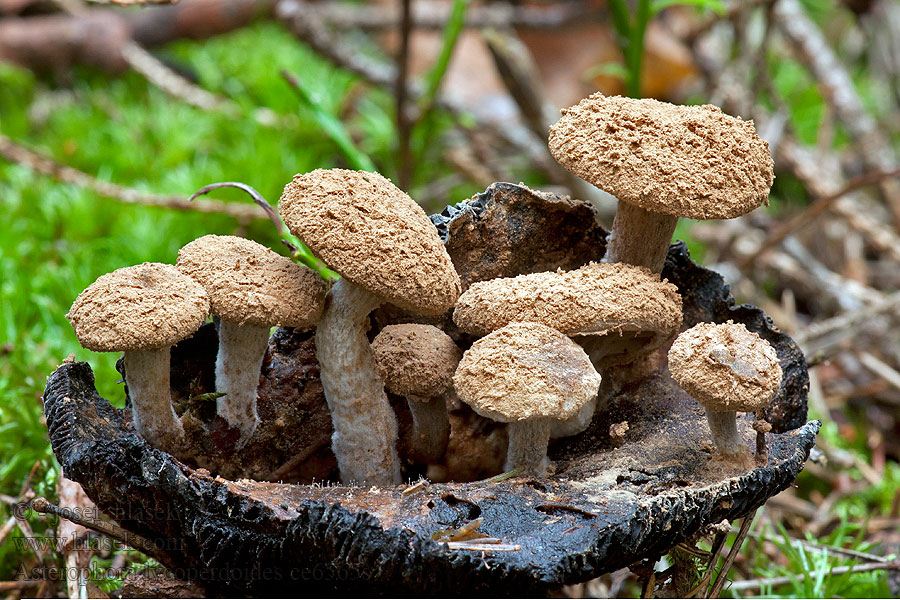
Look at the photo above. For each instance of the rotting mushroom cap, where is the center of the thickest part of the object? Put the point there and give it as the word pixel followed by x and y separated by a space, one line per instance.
pixel 416 359
pixel 250 284
pixel 595 299
pixel 525 370
pixel 725 367
pixel 144 307
pixel 373 234
pixel 687 161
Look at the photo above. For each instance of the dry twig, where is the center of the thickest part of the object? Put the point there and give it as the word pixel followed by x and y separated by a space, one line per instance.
pixel 18 154
pixel 820 172
pixel 755 584
pixel 131 2
pixel 296 460
pixel 42 505
pixel 171 82
pixel 838 89
pixel 880 368
pixel 401 98
pixel 21 584
pixel 432 14
pixel 813 210
pixel 703 587
pixel 70 535
pixel 7 528
pixel 823 336
pixel 732 554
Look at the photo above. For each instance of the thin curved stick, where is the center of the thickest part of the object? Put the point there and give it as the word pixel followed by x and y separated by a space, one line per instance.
pixel 301 253
pixel 251 191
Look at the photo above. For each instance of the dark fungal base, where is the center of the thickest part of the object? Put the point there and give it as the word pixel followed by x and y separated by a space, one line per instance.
pixel 610 503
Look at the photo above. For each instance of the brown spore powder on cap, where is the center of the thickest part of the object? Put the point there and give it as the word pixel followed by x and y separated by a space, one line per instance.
pixel 416 359
pixel 725 366
pixel 595 298
pixel 372 233
pixel 144 307
pixel 525 370
pixel 687 161
pixel 251 284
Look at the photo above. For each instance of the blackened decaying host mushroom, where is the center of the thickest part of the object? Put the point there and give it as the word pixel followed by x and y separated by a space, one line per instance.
pixel 417 361
pixel 387 251
pixel 727 369
pixel 527 375
pixel 662 162
pixel 142 311
pixel 251 289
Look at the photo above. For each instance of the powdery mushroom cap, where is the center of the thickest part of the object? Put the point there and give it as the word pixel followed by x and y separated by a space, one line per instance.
pixel 250 284
pixel 416 359
pixel 595 299
pixel 686 161
pixel 525 370
pixel 725 367
pixel 374 235
pixel 144 307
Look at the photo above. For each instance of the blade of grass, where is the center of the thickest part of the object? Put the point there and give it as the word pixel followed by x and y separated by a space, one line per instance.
pixel 403 120
pixel 771 582
pixel 424 127
pixel 331 125
pixel 621 19
pixel 717 6
pixel 632 27
pixel 299 250
pixel 636 47
pixel 630 30
pixel 455 24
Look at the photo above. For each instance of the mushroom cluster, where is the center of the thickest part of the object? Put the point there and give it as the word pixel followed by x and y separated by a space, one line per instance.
pixel 538 342
pixel 144 310
pixel 663 162
pixel 251 289
pixel 387 251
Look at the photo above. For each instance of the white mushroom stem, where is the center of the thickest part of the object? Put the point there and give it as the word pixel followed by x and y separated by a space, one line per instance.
pixel 365 427
pixel 238 365
pixel 576 424
pixel 431 428
pixel 640 237
pixel 528 440
pixel 147 377
pixel 723 426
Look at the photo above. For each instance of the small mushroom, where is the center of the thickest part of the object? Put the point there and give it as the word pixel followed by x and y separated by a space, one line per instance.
pixel 662 162
pixel 727 369
pixel 251 288
pixel 527 375
pixel 417 361
pixel 617 433
pixel 575 424
pixel 387 251
pixel 142 311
